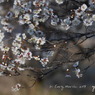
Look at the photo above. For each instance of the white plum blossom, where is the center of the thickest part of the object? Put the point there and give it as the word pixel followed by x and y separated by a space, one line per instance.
pixel 24 19
pixel 77 72
pixel 15 50
pixel 93 17
pixel 16 13
pixel 36 3
pixel 18 37
pixel 1 35
pixel 59 1
pixel 27 54
pixel 22 57
pixel 76 64
pixel 24 36
pixel 83 7
pixel 78 12
pixel 31 26
pixel 76 22
pixel 64 26
pixel 37 47
pixel 36 58
pixel 41 41
pixel 16 44
pixel 16 87
pixel 35 18
pixel 39 3
pixel 4 22
pixel 5 49
pixel 67 21
pixel 17 2
pixel 21 22
pixel 11 67
pixel 44 61
pixel 9 15
pixel 1 73
pixel 91 2
pixel 88 22
pixel 1 45
pixel 37 40
pixel 37 11
pixel 8 28
pixel 21 69
pixel 21 60
pixel 3 67
pixel 27 17
pixel 54 20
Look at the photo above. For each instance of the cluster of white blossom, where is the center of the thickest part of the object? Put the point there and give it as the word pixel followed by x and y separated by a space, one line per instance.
pixel 44 61
pixel 23 56
pixel 31 13
pixel 39 11
pixel 77 70
pixel 8 27
pixel 16 87
pixel 75 19
pixel 37 40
